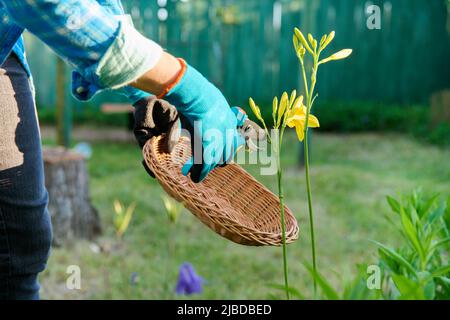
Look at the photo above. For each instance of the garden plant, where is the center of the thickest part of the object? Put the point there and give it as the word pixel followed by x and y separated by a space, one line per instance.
pixel 295 112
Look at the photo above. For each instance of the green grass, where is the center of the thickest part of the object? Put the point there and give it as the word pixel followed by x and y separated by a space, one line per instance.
pixel 351 175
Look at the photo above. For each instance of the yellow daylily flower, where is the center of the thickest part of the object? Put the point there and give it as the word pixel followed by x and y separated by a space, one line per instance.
pixel 297 119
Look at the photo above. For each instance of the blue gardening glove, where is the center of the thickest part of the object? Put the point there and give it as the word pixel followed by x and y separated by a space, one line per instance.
pixel 213 122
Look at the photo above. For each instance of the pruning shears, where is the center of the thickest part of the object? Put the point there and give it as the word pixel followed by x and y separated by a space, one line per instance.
pixel 252 133
pixel 249 130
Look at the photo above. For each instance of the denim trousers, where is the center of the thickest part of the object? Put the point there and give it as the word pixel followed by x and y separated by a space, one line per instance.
pixel 25 228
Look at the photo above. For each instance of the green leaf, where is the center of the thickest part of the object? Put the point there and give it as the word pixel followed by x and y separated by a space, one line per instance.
pixel 445 281
pixel 326 287
pixel 429 290
pixel 444 288
pixel 428 205
pixel 394 204
pixel 411 234
pixel 436 214
pixel 409 289
pixel 357 290
pixel 439 243
pixel 397 257
pixel 426 282
pixel 447 215
pixel 442 271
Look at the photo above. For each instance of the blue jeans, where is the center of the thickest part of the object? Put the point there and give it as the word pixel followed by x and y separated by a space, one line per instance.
pixel 25 228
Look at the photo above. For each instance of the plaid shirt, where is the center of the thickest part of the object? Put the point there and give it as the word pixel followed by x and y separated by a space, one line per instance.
pixel 105 51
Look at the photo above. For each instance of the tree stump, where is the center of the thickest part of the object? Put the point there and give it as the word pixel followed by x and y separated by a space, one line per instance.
pixel 66 178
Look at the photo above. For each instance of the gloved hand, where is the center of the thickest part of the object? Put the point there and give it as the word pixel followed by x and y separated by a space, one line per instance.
pixel 152 117
pixel 214 124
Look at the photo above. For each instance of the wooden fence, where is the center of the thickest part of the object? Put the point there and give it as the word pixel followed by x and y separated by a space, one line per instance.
pixel 245 47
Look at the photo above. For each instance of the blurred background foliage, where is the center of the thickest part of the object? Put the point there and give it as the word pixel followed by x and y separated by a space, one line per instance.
pixel 245 48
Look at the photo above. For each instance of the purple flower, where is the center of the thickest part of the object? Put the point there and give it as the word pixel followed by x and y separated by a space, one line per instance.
pixel 189 282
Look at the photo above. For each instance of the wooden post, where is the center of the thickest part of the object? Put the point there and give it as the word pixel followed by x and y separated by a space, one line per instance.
pixel 63 112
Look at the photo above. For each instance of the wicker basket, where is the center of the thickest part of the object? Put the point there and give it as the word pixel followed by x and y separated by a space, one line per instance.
pixel 229 201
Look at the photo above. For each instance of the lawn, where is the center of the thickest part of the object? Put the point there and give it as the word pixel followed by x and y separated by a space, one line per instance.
pixel 351 175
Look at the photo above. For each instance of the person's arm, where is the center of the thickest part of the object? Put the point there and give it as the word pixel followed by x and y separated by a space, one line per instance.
pixel 84 90
pixel 161 76
pixel 111 54
pixel 106 52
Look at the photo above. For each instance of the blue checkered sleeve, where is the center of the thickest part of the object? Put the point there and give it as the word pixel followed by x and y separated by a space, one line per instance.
pixel 84 90
pixel 105 51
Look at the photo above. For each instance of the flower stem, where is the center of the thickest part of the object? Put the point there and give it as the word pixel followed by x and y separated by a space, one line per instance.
pixel 309 101
pixel 283 223
pixel 310 209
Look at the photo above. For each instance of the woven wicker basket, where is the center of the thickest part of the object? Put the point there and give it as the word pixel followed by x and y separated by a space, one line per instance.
pixel 229 201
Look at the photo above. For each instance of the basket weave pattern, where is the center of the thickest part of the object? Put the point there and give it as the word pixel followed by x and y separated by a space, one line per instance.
pixel 229 201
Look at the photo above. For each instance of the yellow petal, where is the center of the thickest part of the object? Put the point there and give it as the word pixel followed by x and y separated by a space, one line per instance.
pixel 299 117
pixel 313 122
pixel 296 112
pixel 300 131
pixel 298 104
pixel 292 121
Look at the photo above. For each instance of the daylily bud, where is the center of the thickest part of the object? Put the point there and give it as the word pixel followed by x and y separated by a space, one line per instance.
pixel 282 108
pixel 296 43
pixel 311 39
pixel 274 109
pixel 338 56
pixel 299 49
pixel 329 39
pixel 322 41
pixel 292 98
pixel 302 52
pixel 255 109
pixel 302 39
